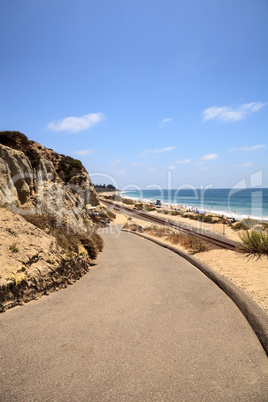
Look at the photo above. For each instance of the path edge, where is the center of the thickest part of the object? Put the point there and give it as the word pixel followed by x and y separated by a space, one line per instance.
pixel 253 313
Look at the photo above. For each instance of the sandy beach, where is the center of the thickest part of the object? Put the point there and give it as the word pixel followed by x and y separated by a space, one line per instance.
pixel 250 275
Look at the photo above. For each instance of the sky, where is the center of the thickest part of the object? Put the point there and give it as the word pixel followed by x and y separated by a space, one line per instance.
pixel 145 93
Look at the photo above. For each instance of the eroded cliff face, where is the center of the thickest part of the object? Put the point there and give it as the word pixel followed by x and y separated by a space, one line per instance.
pixel 33 263
pixel 37 180
pixel 47 236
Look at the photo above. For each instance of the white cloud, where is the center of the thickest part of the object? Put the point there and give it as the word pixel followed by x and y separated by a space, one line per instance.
pixel 248 148
pixel 248 164
pixel 210 157
pixel 120 172
pixel 156 151
pixel 84 152
pixel 225 113
pixel 115 162
pixel 152 169
pixel 171 167
pixel 167 120
pixel 137 164
pixel 76 124
pixel 205 168
pixel 184 161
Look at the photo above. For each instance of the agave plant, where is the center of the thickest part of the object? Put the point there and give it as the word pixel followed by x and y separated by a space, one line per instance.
pixel 254 244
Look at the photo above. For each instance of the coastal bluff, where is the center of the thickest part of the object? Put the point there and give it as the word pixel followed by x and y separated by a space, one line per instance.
pixel 47 236
pixel 33 177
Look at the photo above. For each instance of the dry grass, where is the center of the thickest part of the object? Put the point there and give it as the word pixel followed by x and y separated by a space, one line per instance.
pixel 70 241
pixel 191 243
pixel 133 227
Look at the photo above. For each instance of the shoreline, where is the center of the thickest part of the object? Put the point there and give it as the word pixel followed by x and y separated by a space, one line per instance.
pixel 192 208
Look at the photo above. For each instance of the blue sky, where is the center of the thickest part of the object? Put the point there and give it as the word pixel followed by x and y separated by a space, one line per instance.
pixel 141 91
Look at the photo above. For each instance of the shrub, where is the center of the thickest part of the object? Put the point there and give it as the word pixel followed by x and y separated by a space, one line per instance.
pixel 194 217
pixel 128 201
pixel 193 244
pixel 75 163
pixel 240 226
pixel 35 162
pixel 14 248
pixel 265 225
pixel 158 231
pixel 139 207
pixel 67 239
pixel 208 219
pixel 218 221
pixel 133 226
pixel 111 215
pixel 90 247
pixel 186 215
pixel 254 244
pixel 149 209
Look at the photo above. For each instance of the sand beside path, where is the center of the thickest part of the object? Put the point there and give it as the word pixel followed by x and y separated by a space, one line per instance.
pixel 250 275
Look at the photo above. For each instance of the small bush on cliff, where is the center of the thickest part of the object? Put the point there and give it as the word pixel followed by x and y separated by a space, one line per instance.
pixel 75 163
pixel 67 167
pixel 35 162
pixel 66 238
pixel 111 215
pixel 14 248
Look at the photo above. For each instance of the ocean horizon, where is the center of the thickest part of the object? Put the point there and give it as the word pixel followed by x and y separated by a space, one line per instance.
pixel 231 202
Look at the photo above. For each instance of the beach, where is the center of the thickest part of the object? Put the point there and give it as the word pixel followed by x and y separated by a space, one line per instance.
pixel 231 203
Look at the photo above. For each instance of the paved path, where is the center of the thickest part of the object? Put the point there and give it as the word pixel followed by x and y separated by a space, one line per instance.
pixel 142 325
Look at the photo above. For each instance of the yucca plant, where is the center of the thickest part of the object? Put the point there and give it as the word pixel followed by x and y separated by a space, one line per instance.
pixel 254 244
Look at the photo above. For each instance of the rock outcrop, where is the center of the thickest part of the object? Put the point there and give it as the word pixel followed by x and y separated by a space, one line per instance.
pixel 35 179
pixel 47 236
pixel 32 263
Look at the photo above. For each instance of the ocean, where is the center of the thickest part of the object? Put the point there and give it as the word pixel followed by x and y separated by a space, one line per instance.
pixel 237 203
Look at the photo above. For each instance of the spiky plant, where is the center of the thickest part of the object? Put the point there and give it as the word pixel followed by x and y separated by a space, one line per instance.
pixel 254 244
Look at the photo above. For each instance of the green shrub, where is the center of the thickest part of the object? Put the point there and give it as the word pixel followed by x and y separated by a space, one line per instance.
pixel 35 162
pixel 240 226
pixel 175 213
pixel 195 217
pixel 149 209
pixel 14 248
pixel 74 163
pixel 139 206
pixel 208 219
pixel 128 201
pixel 186 215
pixel 254 244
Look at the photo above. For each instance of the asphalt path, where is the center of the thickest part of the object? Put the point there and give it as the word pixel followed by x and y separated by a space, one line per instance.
pixel 142 325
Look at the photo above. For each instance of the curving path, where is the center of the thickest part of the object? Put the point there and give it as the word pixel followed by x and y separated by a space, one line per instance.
pixel 142 325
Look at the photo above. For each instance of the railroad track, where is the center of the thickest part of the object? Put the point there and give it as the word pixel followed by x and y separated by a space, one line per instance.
pixel 229 245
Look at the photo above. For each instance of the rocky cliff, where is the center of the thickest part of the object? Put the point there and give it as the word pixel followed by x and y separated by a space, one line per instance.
pixel 48 237
pixel 34 179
